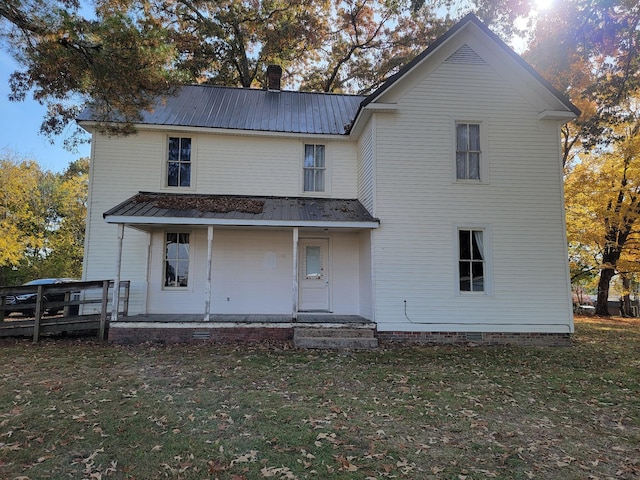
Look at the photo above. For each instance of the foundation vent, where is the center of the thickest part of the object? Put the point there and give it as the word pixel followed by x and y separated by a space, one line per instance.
pixel 201 335
pixel 474 337
pixel 467 56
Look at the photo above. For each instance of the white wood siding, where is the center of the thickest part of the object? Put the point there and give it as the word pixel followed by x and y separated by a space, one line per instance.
pixel 366 158
pixel 420 205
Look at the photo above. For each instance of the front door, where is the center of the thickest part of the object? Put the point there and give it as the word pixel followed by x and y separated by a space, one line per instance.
pixel 313 284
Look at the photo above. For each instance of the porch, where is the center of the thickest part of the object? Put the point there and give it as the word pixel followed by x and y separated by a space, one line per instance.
pixel 223 328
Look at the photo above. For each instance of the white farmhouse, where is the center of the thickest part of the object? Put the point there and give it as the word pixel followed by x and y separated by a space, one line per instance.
pixel 429 211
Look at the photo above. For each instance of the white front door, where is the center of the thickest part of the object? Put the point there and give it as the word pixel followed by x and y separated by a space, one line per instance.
pixel 313 285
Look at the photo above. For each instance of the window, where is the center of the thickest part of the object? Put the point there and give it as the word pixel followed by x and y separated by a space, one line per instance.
pixel 471 260
pixel 468 151
pixel 314 168
pixel 176 260
pixel 179 162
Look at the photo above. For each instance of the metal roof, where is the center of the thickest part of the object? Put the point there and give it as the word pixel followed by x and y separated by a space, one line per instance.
pixel 198 209
pixel 252 109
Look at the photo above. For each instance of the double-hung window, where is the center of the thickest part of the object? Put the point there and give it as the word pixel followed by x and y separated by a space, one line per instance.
pixel 471 261
pixel 468 154
pixel 176 260
pixel 314 168
pixel 179 162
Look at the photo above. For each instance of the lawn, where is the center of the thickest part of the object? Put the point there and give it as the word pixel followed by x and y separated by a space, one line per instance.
pixel 77 409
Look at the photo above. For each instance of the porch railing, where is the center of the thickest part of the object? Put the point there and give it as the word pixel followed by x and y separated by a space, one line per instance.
pixel 36 302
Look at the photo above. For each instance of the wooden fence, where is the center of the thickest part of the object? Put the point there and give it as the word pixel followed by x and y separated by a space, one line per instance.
pixel 75 295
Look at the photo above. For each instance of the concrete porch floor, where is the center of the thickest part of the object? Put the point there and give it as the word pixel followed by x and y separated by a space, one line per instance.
pixel 311 318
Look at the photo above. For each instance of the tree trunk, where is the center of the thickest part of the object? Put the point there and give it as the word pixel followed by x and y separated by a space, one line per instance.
pixel 625 311
pixel 602 307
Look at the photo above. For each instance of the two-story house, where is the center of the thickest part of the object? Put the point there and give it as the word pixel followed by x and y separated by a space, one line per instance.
pixel 432 208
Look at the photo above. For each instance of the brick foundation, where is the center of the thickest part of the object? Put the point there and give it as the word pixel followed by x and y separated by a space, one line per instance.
pixel 129 336
pixel 485 338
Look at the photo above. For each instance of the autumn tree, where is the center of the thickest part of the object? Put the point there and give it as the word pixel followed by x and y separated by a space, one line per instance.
pixel 603 211
pixel 42 217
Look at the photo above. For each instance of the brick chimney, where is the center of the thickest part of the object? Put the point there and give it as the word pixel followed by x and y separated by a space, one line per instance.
pixel 274 76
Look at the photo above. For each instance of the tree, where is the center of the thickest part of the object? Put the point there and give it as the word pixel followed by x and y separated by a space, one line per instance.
pixel 603 211
pixel 116 62
pixel 370 41
pixel 230 42
pixel 42 217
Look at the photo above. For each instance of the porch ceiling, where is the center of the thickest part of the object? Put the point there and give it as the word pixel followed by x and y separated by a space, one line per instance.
pixel 150 208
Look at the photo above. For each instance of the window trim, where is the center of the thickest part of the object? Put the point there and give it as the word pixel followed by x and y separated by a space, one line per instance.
pixel 326 170
pixel 189 286
pixel 165 163
pixel 484 151
pixel 487 239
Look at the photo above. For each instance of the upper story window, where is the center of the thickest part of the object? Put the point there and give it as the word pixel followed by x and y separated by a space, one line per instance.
pixel 471 261
pixel 314 168
pixel 468 151
pixel 179 162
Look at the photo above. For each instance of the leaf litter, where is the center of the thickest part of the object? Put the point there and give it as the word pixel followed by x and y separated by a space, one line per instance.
pixel 77 409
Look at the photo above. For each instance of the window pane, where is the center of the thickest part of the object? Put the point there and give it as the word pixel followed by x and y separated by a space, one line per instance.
pixel 465 244
pixel 477 245
pixel 474 166
pixel 173 170
pixel 170 273
pixel 478 276
pixel 185 174
pixel 308 156
pixel 465 276
pixel 319 181
pixel 308 180
pixel 182 270
pixel 174 149
pixel 313 269
pixel 474 137
pixel 461 137
pixel 319 156
pixel 461 165
pixel 185 149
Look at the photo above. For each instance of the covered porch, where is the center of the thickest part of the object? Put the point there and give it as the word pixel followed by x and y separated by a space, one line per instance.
pixel 258 261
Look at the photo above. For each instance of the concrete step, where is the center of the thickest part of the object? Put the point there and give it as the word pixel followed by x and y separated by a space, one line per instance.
pixel 335 338
pixel 330 343
pixel 338 332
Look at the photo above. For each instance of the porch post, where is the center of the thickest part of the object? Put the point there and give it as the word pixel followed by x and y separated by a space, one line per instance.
pixel 295 273
pixel 207 288
pixel 116 283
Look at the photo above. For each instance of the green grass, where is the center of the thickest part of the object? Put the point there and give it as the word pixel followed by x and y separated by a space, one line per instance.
pixel 77 409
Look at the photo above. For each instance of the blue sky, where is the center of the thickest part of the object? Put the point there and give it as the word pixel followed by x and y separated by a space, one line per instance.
pixel 20 126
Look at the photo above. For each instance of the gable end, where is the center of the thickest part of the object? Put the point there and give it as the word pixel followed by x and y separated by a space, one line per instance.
pixel 466 55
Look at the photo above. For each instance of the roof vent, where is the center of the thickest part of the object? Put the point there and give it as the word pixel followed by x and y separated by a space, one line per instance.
pixel 465 54
pixel 274 77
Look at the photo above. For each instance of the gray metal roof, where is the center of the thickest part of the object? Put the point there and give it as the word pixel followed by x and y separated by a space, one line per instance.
pixel 191 209
pixel 252 109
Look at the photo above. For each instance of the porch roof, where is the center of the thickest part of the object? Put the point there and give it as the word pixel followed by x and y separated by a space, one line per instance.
pixel 152 208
